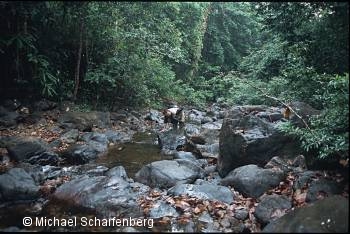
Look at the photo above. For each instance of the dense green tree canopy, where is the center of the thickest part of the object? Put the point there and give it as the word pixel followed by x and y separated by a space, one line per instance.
pixel 110 54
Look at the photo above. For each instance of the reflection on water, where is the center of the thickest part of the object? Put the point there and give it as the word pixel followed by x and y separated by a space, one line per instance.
pixel 133 155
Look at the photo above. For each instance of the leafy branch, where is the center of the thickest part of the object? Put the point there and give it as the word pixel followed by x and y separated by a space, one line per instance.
pixel 278 100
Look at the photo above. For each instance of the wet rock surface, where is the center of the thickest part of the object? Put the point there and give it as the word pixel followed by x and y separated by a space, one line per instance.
pixel 17 184
pixel 23 148
pixel 85 121
pixel 162 209
pixel 253 181
pixel 70 137
pixel 109 195
pixel 185 155
pixel 80 154
pixel 329 215
pixel 322 187
pixel 46 158
pixel 167 173
pixel 171 140
pixel 204 191
pixel 271 207
pixel 247 139
pixel 117 136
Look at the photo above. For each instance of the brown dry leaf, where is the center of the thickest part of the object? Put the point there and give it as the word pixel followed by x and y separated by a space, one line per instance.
pixel 249 203
pixel 170 200
pixel 202 207
pixel 217 205
pixel 299 196
pixel 344 162
pixel 255 227
pixel 155 194
pixel 164 220
pixel 146 210
pixel 147 198
pixel 210 208
pixel 206 203
pixel 183 220
pixel 196 210
pixel 232 207
pixel 182 204
pixel 277 213
pixel 286 191
pixel 220 213
pixel 239 202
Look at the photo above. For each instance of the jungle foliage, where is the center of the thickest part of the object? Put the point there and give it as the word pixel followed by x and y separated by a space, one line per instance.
pixel 112 54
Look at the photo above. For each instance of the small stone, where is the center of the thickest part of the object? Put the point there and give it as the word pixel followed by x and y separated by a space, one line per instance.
pixel 241 214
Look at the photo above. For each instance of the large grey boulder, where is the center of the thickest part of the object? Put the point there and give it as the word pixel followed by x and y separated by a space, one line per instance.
pixel 154 116
pixel 7 118
pixel 84 121
pixel 167 173
pixel 253 181
pixel 171 140
pixel 195 117
pixel 272 207
pixel 204 191
pixel 17 184
pixel 161 209
pixel 324 187
pixel 117 171
pixel 270 116
pixel 247 139
pixel 70 137
pixel 330 215
pixel 22 148
pixel 95 136
pixel 184 155
pixel 110 195
pixel 118 136
pixel 298 165
pixel 206 142
pixel 80 154
pixel 191 129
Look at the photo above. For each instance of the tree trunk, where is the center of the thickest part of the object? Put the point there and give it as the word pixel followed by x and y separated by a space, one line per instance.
pixel 198 50
pixel 77 69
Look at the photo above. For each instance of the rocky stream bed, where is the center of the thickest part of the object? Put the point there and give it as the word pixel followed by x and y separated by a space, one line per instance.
pixel 228 170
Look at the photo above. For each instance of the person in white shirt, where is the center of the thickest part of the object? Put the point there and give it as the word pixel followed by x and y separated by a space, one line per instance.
pixel 175 116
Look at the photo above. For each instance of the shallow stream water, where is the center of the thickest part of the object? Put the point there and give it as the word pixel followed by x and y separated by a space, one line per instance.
pixel 142 150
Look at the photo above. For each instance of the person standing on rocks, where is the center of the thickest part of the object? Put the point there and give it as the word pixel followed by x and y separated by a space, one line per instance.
pixel 174 115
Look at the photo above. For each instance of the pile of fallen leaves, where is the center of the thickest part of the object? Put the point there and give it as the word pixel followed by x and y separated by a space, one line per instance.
pixel 190 208
pixel 299 195
pixel 40 131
